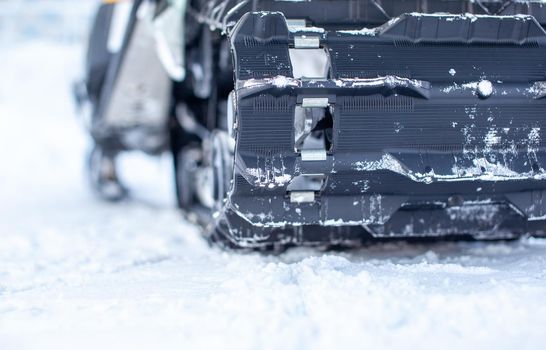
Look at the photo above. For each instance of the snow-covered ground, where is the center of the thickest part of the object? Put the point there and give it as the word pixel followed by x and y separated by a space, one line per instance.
pixel 76 273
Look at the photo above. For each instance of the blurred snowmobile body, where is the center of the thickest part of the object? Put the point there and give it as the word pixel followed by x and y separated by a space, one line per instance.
pixel 129 90
pixel 327 122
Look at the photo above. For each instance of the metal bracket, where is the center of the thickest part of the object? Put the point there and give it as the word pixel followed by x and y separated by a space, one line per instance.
pixel 302 197
pixel 310 155
pixel 315 102
pixel 306 42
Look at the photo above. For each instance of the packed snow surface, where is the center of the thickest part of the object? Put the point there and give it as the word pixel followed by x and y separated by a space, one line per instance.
pixel 76 273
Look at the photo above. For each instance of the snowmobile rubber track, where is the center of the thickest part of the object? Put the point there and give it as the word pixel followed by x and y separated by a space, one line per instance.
pixel 432 125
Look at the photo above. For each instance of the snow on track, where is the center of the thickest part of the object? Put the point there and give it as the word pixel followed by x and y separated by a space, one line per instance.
pixel 79 273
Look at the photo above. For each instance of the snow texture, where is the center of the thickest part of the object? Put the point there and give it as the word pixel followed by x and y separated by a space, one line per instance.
pixel 76 273
pixel 391 81
pixel 485 88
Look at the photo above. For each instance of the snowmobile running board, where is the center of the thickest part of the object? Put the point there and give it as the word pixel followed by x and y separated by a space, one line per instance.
pixel 429 125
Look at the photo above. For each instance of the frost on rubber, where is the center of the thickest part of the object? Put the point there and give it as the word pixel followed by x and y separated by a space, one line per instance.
pixel 429 125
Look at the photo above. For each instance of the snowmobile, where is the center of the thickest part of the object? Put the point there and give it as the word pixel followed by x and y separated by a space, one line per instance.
pixel 329 122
